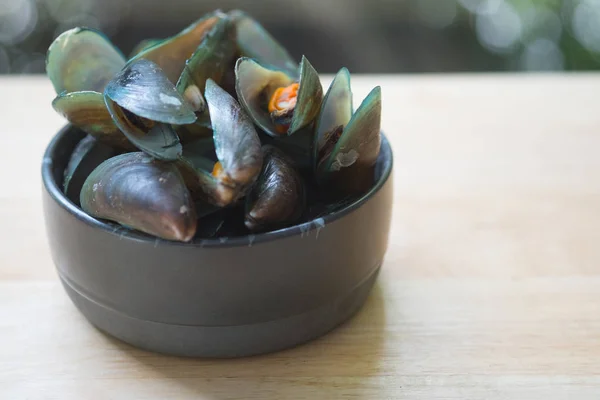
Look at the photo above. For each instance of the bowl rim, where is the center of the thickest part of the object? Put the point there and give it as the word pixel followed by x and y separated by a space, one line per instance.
pixel 56 193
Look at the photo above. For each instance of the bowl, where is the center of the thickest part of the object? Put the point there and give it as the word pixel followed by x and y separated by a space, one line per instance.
pixel 227 297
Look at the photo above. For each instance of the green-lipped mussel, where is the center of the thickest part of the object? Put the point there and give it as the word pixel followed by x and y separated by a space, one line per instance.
pixel 214 131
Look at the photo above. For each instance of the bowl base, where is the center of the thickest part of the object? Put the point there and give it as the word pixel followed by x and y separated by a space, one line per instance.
pixel 222 341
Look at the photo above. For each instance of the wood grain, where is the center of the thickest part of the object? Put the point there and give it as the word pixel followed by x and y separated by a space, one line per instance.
pixel 490 289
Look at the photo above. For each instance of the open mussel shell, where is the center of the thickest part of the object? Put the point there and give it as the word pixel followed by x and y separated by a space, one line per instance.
pixel 144 105
pixel 87 155
pixel 205 49
pixel 139 192
pixel 212 57
pixel 87 111
pixel 255 85
pixel 172 53
pixel 144 90
pixel 278 197
pixel 236 142
pixel 350 164
pixel 254 41
pixel 235 146
pixel 82 59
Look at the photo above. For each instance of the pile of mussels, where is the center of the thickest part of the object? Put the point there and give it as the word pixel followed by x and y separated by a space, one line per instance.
pixel 213 132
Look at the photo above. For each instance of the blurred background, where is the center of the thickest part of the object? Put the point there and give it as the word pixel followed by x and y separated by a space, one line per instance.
pixel 367 36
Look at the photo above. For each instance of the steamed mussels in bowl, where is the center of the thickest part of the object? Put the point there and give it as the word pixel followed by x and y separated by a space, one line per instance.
pixel 215 131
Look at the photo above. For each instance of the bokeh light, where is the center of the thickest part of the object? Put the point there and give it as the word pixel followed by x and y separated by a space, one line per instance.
pixel 586 24
pixel 541 22
pixel 498 25
pixel 385 35
pixel 18 19
pixel 542 55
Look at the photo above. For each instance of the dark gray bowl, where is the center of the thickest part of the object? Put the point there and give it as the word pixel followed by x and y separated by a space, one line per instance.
pixel 217 298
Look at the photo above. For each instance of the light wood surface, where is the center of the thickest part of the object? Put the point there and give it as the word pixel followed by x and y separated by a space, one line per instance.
pixel 490 289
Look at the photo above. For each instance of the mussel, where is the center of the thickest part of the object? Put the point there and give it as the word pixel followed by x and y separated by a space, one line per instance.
pixel 142 193
pixel 203 50
pixel 346 145
pixel 278 198
pixel 144 104
pixel 237 149
pixel 200 51
pixel 80 63
pixel 82 59
pixel 279 103
pixel 215 131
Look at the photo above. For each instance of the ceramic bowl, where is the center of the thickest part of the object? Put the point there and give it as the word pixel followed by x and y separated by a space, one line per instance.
pixel 225 297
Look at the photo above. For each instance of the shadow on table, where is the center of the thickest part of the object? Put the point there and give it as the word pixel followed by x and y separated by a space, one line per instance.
pixel 335 365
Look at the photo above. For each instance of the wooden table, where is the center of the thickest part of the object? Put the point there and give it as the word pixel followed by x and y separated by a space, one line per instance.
pixel 490 289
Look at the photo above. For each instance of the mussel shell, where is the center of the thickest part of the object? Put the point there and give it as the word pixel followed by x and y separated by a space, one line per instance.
pixel 336 111
pixel 141 193
pixel 237 144
pixel 278 197
pixel 143 104
pixel 144 90
pixel 82 59
pixel 350 166
pixel 363 133
pixel 310 97
pixel 255 84
pixel 212 57
pixel 171 54
pixel 254 41
pixel 87 155
pixel 155 139
pixel 87 111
